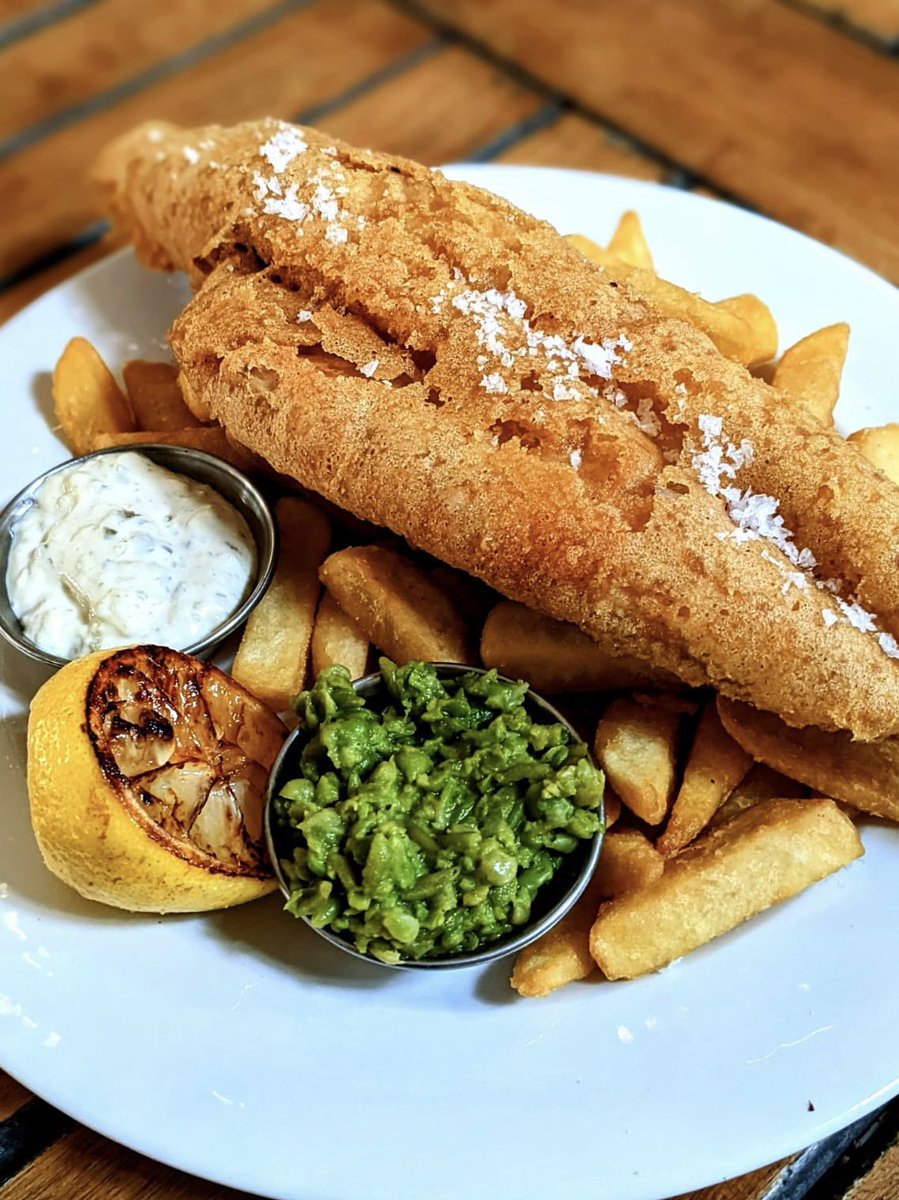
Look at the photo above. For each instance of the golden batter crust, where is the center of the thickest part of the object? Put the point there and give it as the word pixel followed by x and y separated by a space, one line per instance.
pixel 432 359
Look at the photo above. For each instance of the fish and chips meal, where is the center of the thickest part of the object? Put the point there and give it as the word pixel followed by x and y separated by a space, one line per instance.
pixel 492 445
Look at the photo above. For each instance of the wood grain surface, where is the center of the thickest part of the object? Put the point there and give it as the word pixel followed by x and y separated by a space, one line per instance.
pixel 790 107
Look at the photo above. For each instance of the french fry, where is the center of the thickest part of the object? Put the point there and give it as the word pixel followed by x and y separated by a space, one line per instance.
pixel 810 371
pixel 880 446
pixel 397 605
pixel 611 803
pixel 210 438
pixel 274 650
pixel 715 766
pixel 761 856
pixel 760 783
pixel 86 398
pixel 562 955
pixel 629 243
pixel 636 746
pixel 761 320
pixel 736 337
pixel 155 396
pixel 864 775
pixel 554 656
pixel 336 638
pixel 628 861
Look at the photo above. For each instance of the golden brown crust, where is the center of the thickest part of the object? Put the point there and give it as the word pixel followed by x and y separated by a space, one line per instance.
pixel 432 359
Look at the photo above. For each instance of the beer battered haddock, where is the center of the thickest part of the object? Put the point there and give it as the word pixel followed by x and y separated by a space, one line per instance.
pixel 432 359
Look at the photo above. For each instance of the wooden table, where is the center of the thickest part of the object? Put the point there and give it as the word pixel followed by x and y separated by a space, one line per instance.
pixel 789 107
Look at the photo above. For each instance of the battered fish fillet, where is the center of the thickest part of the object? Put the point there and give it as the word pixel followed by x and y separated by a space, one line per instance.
pixel 432 359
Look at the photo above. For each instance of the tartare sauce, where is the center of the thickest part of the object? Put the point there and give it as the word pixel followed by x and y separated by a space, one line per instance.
pixel 116 550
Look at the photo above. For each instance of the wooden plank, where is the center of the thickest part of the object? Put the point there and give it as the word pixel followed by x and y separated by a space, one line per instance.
pixel 103 46
pixel 759 99
pixel 753 1186
pixel 427 113
pixel 880 18
pixel 84 1166
pixel 421 113
pixel 575 141
pixel 12 1095
pixel 16 298
pixel 10 9
pixel 882 1181
pixel 314 54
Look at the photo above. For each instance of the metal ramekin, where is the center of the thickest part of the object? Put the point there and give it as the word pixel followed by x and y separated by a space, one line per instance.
pixel 557 897
pixel 230 483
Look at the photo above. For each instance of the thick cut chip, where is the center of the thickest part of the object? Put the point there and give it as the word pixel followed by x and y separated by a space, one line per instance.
pixel 628 861
pixel 397 605
pixel 715 766
pixel 562 955
pixel 864 775
pixel 629 244
pixel 880 446
pixel 155 396
pixel 338 640
pixel 273 654
pixel 636 746
pixel 762 856
pixel 760 783
pixel 147 772
pixel 86 398
pixel 810 371
pixel 760 319
pixel 554 656
pixel 210 438
pixel 747 341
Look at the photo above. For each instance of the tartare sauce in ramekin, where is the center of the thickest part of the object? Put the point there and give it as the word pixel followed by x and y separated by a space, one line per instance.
pixel 116 550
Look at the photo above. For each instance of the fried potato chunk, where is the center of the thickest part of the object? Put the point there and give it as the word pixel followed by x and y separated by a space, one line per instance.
pixel 554 656
pixel 762 856
pixel 628 861
pixel 810 371
pixel 636 746
pixel 714 768
pixel 880 446
pixel 747 341
pixel 337 639
pixel 397 605
pixel 210 438
pixel 629 244
pixel 86 398
pixel 864 775
pixel 273 654
pixel 562 955
pixel 155 396
pixel 760 783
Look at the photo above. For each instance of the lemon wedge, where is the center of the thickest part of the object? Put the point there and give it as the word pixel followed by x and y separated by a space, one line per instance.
pixel 147 771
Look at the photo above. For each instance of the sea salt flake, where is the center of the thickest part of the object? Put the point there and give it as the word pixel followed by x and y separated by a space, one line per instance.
pixel 857 616
pixel 494 384
pixel 829 616
pixel 336 234
pixel 283 147
pixel 575 458
pixel 304 314
pixel 889 645
pixel 564 391
pixel 288 206
pixel 369 368
pixel 191 155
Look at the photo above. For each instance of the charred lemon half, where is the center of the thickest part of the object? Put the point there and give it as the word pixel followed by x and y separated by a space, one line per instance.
pixel 147 771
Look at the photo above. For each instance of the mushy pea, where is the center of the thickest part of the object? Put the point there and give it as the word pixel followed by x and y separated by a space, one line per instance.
pixel 426 826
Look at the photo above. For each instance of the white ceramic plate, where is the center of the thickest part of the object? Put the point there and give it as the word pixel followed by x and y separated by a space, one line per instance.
pixel 242 1048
